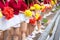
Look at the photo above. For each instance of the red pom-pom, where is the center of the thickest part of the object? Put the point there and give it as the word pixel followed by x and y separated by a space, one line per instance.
pixel 8 12
pixel 43 10
pixel 32 21
pixel 39 18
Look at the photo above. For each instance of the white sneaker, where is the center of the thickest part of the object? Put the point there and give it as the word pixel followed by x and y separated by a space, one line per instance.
pixel 44 16
pixel 31 36
pixel 42 26
pixel 29 39
pixel 35 32
pixel 36 28
pixel 53 9
pixel 41 31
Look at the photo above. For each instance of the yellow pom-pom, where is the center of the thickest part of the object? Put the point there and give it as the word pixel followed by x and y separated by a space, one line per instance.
pixel 37 6
pixel 28 13
pixel 1 14
pixel 56 1
pixel 37 15
pixel 43 6
pixel 52 3
pixel 32 8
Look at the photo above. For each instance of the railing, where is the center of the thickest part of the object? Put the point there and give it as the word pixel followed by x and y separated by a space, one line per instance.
pixel 45 34
pixel 55 28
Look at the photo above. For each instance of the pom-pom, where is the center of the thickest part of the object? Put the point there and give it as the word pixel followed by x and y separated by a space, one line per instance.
pixel 37 15
pixel 1 14
pixel 32 8
pixel 37 6
pixel 28 13
pixel 32 21
pixel 8 12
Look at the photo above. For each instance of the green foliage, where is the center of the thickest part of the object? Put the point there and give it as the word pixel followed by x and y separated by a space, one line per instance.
pixel 44 20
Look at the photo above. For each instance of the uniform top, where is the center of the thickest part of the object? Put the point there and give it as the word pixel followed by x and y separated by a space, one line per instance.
pixel 17 6
pixel 2 4
pixel 47 1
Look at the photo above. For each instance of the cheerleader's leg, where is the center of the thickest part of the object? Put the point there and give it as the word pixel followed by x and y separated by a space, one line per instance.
pixel 17 33
pixel 20 36
pixel 28 29
pixel 9 33
pixel 31 28
pixel 38 25
pixel 24 30
pixel 1 35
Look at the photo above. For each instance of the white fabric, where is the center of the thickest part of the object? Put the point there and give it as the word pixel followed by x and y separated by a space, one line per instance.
pixel 13 22
pixel 18 25
pixel 23 18
pixel 6 24
pixel 53 9
pixel 3 25
pixel 46 4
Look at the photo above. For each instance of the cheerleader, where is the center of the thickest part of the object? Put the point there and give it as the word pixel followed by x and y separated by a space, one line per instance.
pixel 1 32
pixel 2 5
pixel 32 26
pixel 19 7
pixel 38 21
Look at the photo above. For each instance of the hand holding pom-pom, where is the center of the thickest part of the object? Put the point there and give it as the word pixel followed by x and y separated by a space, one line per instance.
pixel 32 8
pixel 37 15
pixel 39 18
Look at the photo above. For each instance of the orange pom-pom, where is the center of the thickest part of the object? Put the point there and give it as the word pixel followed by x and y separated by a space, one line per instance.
pixel 8 12
pixel 32 21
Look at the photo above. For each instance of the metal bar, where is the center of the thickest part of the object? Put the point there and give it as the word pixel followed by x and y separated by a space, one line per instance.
pixel 49 27
pixel 55 28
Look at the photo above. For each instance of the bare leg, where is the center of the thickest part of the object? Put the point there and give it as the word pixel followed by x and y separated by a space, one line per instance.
pixel 15 37
pixel 38 25
pixel 28 29
pixel 8 34
pixel 24 30
pixel 1 35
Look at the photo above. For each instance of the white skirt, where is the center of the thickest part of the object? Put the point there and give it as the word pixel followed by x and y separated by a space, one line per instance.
pixel 3 24
pixel 13 22
pixel 23 18
pixel 7 24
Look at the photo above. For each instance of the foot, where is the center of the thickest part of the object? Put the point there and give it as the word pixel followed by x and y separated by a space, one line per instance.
pixel 41 31
pixel 31 36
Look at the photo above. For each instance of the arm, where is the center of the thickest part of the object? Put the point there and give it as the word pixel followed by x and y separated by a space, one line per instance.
pixel 37 1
